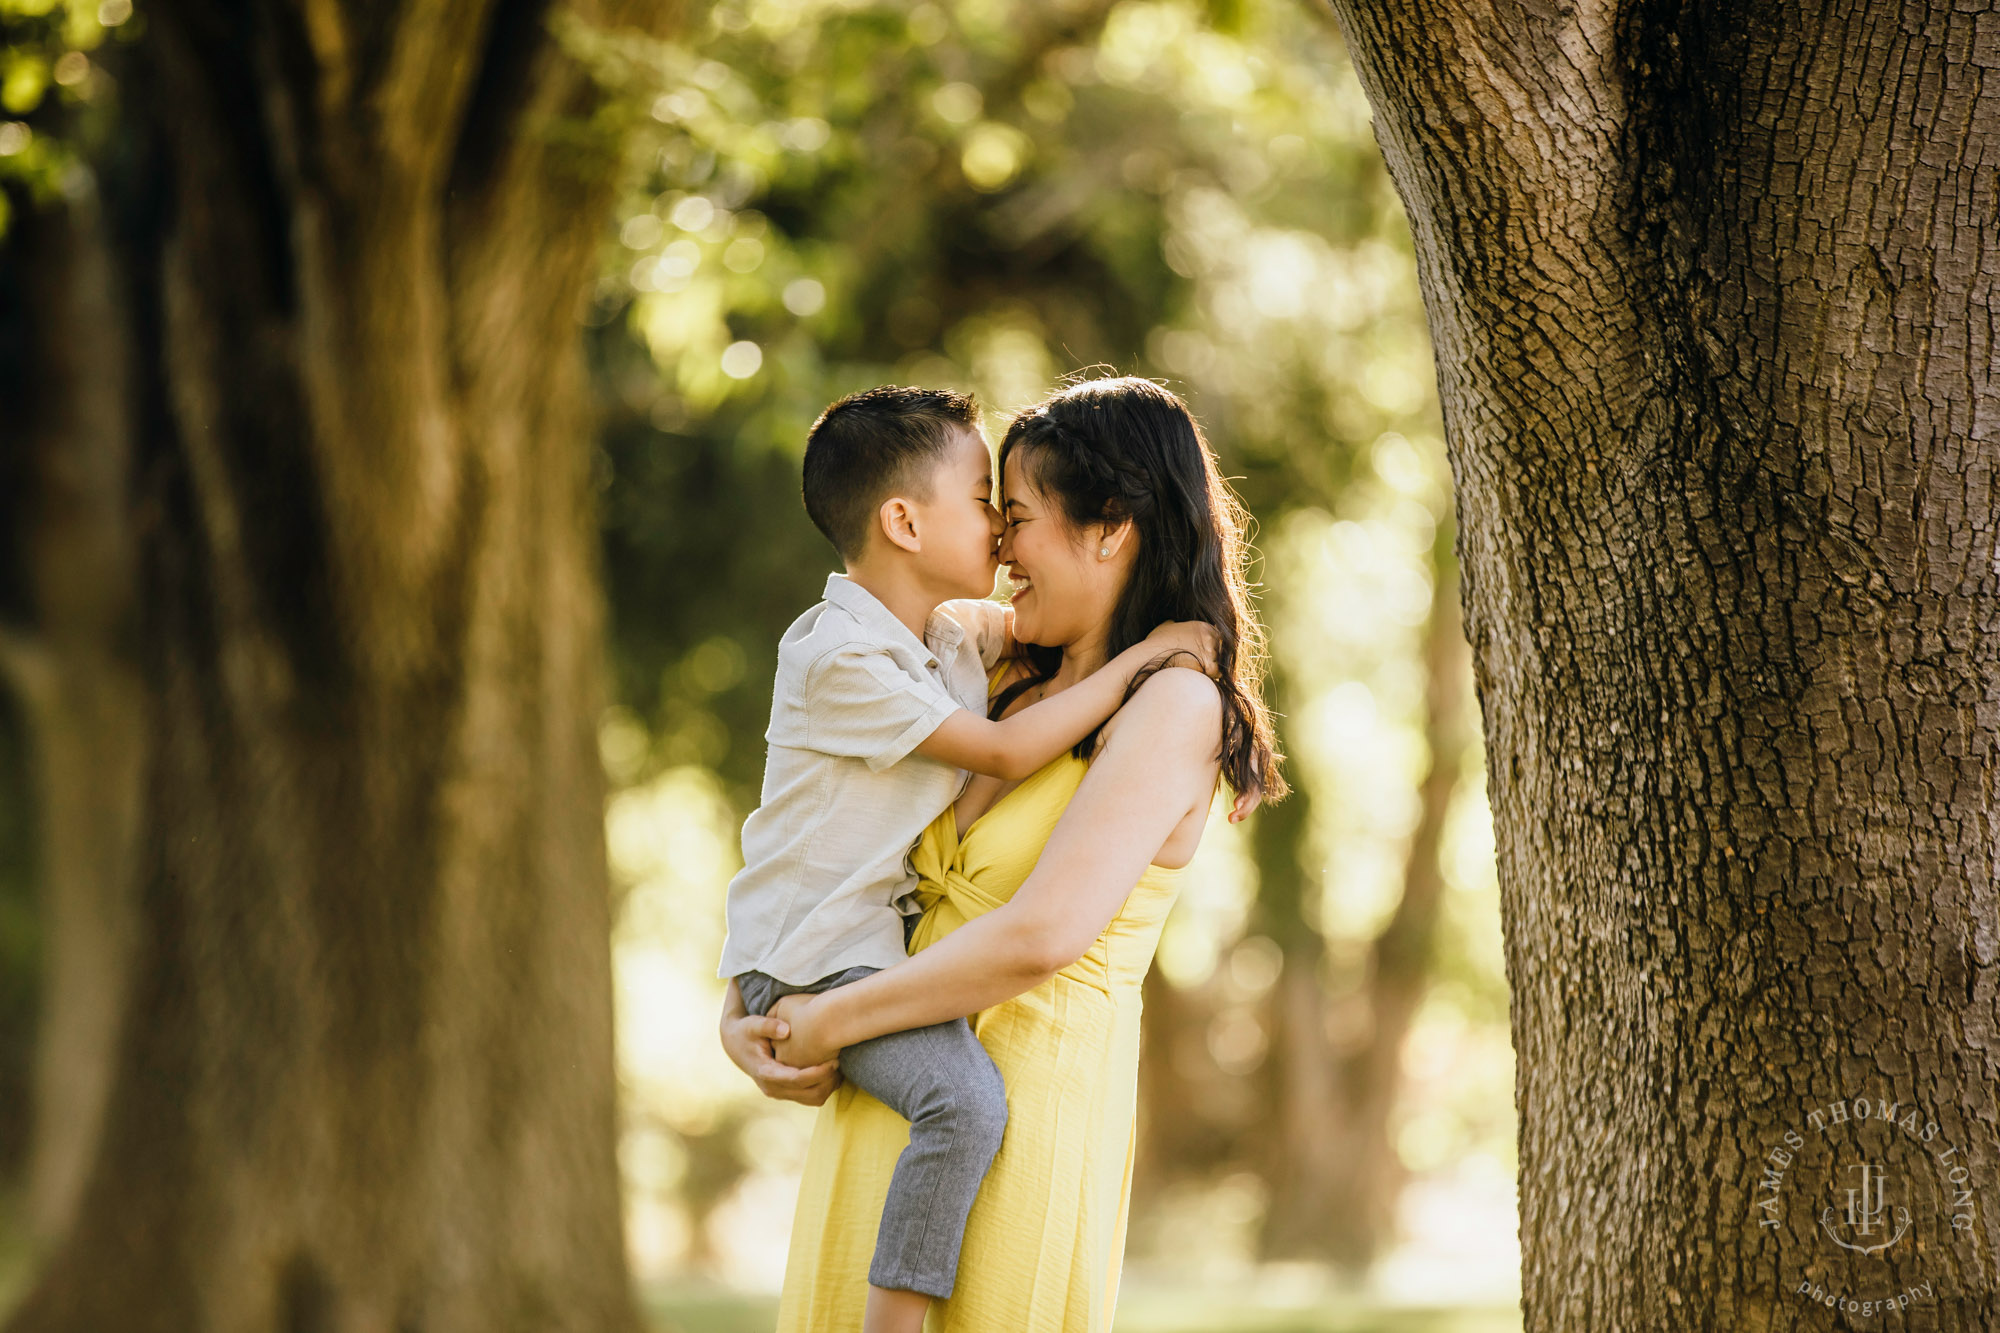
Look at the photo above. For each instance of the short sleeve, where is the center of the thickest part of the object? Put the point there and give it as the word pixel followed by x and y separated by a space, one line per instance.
pixel 861 704
pixel 987 625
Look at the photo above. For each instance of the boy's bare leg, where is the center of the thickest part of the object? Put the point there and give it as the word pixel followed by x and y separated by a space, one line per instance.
pixel 892 1311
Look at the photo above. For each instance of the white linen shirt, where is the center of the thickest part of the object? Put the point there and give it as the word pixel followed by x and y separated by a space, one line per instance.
pixel 826 879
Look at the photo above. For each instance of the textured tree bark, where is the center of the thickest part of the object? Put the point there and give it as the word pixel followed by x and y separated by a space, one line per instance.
pixel 1710 289
pixel 366 1078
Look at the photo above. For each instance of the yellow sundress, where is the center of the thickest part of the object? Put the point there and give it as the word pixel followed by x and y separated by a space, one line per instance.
pixel 1046 1237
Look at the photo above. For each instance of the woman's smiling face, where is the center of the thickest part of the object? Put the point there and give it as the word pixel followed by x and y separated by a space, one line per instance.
pixel 1062 589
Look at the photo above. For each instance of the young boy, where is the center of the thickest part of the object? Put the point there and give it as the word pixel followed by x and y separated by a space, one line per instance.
pixel 879 710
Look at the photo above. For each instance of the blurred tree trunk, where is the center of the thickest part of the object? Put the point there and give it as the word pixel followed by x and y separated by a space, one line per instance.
pixel 1303 1113
pixel 77 679
pixel 1195 1117
pixel 1332 1167
pixel 364 1077
pixel 1314 1118
pixel 1710 290
pixel 20 955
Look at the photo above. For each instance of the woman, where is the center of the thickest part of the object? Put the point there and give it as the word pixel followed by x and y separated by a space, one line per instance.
pixel 1045 897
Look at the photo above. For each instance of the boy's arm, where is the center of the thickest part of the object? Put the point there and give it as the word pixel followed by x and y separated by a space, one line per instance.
pixel 1016 746
pixel 991 626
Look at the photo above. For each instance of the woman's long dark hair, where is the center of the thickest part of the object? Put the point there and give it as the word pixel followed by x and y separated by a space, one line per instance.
pixel 1111 449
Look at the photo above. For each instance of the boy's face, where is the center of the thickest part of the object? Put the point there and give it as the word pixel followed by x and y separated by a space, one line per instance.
pixel 959 526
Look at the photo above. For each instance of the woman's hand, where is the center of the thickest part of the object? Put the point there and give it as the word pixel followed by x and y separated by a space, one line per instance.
pixel 806 1043
pixel 748 1041
pixel 1157 769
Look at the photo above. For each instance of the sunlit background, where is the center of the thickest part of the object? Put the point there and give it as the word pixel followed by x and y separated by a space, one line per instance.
pixel 988 196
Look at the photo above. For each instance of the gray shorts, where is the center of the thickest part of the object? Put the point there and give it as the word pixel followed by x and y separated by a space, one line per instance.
pixel 942 1081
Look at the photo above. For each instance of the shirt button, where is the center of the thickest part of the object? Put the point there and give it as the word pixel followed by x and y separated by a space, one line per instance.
pixel 932 664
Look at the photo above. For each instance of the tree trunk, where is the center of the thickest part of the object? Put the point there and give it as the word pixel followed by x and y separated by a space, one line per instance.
pixel 1304 1120
pixel 78 682
pixel 1709 289
pixel 366 1076
pixel 1195 1117
pixel 1335 1174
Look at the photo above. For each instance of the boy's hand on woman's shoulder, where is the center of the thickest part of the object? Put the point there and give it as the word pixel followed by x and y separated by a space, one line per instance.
pixel 1187 636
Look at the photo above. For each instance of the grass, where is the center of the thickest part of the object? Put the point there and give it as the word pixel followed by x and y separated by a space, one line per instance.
pixel 708 1310
pixel 1143 1308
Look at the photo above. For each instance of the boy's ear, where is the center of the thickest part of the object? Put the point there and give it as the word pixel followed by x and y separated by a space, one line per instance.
pixel 898 520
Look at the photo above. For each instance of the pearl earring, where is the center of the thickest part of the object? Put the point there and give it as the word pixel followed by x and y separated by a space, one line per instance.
pixel 1103 551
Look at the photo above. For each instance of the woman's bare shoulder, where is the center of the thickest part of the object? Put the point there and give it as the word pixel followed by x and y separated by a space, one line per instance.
pixel 1173 705
pixel 1181 686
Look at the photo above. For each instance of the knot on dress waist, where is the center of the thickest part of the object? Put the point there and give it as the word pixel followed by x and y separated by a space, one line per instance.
pixel 956 887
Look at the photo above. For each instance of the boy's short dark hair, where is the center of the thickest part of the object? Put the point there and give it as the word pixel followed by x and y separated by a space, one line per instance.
pixel 871 444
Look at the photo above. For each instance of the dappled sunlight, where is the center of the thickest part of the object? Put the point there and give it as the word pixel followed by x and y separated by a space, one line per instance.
pixel 1214 902
pixel 1464 1246
pixel 834 195
pixel 1007 352
pixel 433 441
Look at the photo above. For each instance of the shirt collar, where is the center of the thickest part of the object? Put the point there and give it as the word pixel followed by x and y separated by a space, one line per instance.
pixel 867 608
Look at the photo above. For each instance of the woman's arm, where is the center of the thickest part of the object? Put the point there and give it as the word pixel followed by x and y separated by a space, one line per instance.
pixel 747 1038
pixel 1017 746
pixel 1158 764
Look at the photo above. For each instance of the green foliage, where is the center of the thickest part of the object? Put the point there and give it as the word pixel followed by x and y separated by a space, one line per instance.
pixel 827 195
pixel 49 80
pixel 830 196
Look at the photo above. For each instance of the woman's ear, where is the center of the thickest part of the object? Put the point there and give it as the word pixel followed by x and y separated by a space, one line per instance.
pixel 1111 538
pixel 898 520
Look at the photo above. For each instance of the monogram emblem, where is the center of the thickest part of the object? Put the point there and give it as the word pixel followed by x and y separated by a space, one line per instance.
pixel 1867 1214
